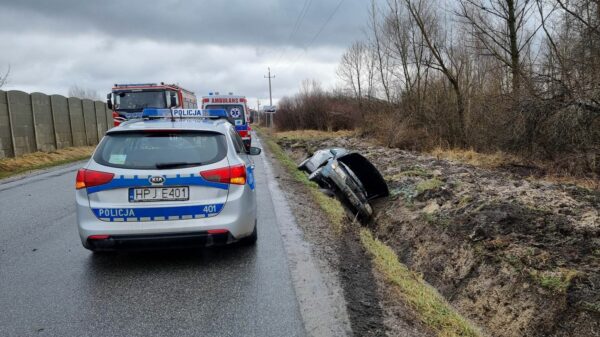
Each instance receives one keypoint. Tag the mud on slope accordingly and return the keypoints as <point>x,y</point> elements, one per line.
<point>520,257</point>
<point>371,313</point>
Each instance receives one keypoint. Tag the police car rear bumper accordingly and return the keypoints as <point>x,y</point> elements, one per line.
<point>237,218</point>
<point>162,241</point>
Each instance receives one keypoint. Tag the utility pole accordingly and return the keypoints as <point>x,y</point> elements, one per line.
<point>258,110</point>
<point>270,95</point>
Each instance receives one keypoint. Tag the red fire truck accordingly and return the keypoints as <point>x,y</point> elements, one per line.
<point>129,100</point>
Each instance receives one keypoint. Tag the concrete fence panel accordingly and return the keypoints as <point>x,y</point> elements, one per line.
<point>21,122</point>
<point>109,118</point>
<point>89,119</point>
<point>61,121</point>
<point>38,122</point>
<point>77,124</point>
<point>43,122</point>
<point>100,118</point>
<point>6,146</point>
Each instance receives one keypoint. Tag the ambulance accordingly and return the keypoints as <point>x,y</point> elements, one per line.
<point>237,109</point>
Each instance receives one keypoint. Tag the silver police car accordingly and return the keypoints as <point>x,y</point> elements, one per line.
<point>175,178</point>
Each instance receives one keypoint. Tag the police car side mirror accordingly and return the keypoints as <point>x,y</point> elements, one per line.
<point>109,101</point>
<point>254,151</point>
<point>173,101</point>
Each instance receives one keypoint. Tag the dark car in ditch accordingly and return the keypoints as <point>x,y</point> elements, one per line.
<point>349,176</point>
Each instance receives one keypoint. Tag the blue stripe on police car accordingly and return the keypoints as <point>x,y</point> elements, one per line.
<point>158,213</point>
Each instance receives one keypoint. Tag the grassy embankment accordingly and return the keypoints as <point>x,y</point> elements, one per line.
<point>39,160</point>
<point>430,306</point>
<point>497,160</point>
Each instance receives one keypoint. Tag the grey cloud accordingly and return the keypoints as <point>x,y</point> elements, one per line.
<point>232,22</point>
<point>84,60</point>
<point>203,45</point>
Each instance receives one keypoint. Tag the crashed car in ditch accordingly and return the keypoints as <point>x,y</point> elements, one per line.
<point>349,176</point>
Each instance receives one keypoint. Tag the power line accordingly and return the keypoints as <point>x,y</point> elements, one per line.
<point>316,36</point>
<point>326,22</point>
<point>299,19</point>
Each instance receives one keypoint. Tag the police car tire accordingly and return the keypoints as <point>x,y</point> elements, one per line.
<point>251,239</point>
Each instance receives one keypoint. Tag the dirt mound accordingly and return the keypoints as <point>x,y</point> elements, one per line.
<point>520,257</point>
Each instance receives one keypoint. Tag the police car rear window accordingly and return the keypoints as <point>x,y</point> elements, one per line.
<point>161,150</point>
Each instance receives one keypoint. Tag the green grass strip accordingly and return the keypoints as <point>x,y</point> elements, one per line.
<point>432,308</point>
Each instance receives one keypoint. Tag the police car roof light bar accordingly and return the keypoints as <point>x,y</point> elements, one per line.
<point>152,113</point>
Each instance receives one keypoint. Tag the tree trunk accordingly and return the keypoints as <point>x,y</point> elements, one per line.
<point>514,46</point>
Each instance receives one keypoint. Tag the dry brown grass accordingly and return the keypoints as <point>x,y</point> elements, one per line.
<point>38,160</point>
<point>589,183</point>
<point>314,134</point>
<point>498,159</point>
<point>492,160</point>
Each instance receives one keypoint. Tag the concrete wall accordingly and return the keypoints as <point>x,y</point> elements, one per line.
<point>42,121</point>
<point>89,120</point>
<point>61,121</point>
<point>77,125</point>
<point>21,122</point>
<point>109,117</point>
<point>38,122</point>
<point>6,147</point>
<point>100,119</point>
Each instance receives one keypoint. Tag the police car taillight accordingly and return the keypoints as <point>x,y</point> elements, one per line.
<point>88,178</point>
<point>228,175</point>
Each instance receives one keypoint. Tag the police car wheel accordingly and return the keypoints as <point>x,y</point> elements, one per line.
<point>251,239</point>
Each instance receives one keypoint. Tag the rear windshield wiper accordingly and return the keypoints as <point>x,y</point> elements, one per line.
<point>176,164</point>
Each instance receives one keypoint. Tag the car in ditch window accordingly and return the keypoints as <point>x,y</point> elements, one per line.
<point>175,178</point>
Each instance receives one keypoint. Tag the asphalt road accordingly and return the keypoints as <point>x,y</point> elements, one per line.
<point>51,286</point>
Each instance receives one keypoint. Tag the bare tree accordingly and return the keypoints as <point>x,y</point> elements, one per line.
<point>380,54</point>
<point>443,55</point>
<point>585,11</point>
<point>352,68</point>
<point>84,93</point>
<point>501,27</point>
<point>399,29</point>
<point>446,66</point>
<point>4,77</point>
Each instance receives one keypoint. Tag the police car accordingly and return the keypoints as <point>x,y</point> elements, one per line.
<point>178,177</point>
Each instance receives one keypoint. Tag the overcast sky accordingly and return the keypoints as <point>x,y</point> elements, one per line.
<point>204,45</point>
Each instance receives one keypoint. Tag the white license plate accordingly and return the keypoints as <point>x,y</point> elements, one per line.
<point>148,194</point>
